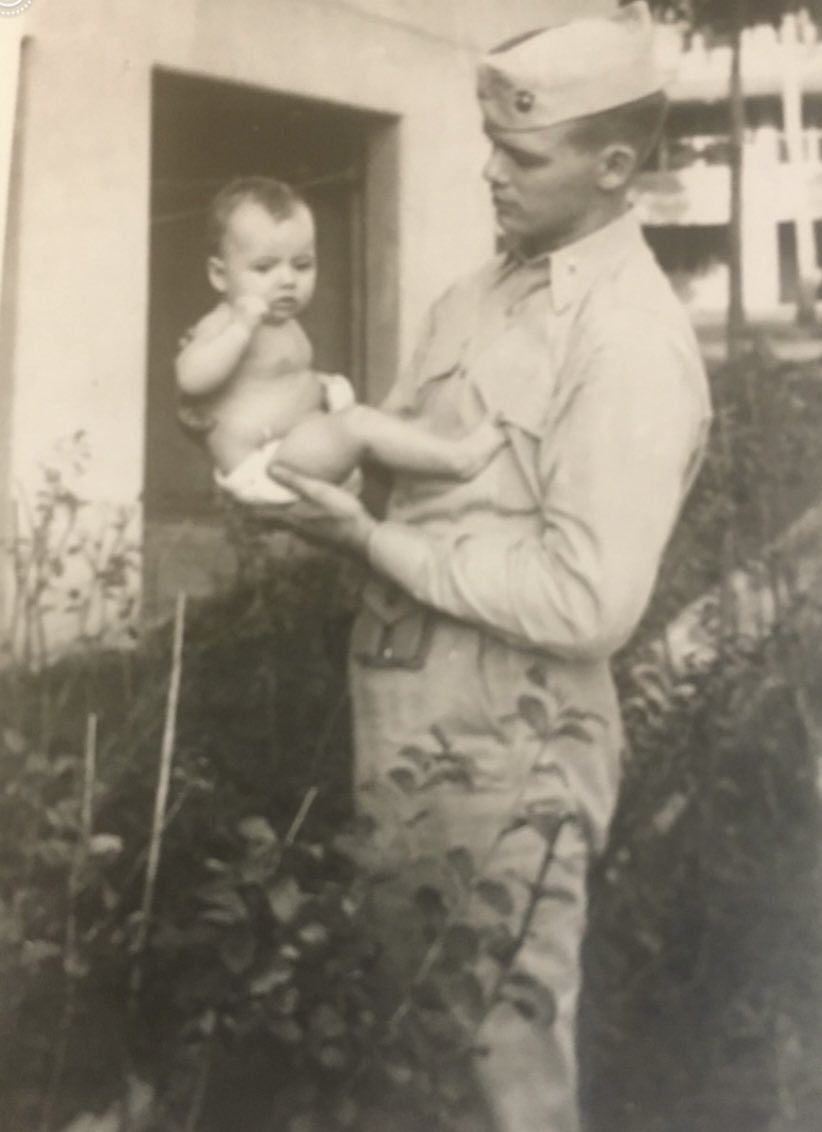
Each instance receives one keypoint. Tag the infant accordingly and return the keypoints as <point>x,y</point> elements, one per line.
<point>245,370</point>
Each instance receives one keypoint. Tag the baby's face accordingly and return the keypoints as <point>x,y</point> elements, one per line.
<point>269,257</point>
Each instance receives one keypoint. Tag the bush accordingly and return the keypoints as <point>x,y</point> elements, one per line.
<point>262,708</point>
<point>261,994</point>
<point>762,469</point>
<point>704,962</point>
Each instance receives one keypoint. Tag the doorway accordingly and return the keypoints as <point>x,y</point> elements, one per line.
<point>206,132</point>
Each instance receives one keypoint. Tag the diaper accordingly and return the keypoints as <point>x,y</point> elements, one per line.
<point>250,482</point>
<point>338,392</point>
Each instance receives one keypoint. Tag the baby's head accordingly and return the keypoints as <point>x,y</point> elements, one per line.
<point>262,242</point>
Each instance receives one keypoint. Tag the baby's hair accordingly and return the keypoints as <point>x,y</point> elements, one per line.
<point>278,199</point>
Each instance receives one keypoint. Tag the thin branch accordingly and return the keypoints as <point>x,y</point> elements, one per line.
<point>71,958</point>
<point>163,782</point>
<point>89,775</point>
<point>534,898</point>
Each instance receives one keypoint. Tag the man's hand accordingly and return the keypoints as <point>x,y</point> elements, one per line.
<point>325,512</point>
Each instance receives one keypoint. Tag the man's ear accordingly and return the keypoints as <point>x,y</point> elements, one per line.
<point>618,164</point>
<point>216,273</point>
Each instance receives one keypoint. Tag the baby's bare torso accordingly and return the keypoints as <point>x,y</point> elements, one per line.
<point>272,389</point>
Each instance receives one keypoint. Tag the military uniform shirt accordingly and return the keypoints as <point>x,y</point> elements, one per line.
<point>587,359</point>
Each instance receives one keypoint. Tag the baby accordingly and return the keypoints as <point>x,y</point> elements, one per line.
<point>245,373</point>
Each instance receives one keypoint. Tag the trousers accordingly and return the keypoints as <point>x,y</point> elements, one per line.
<point>527,771</point>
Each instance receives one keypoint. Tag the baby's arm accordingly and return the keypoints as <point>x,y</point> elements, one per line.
<point>217,346</point>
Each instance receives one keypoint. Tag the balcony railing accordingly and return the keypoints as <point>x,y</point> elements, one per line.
<point>700,194</point>
<point>765,144</point>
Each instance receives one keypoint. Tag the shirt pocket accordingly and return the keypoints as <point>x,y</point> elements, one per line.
<point>516,389</point>
<point>438,397</point>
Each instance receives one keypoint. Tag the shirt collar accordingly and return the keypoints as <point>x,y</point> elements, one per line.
<point>573,269</point>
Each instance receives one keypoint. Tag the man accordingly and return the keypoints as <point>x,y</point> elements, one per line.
<point>544,562</point>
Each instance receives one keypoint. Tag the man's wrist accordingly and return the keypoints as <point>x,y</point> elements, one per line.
<point>363,535</point>
<point>402,553</point>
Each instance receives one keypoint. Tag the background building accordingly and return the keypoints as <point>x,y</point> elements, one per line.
<point>685,195</point>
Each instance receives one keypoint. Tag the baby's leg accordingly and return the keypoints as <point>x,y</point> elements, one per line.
<point>331,446</point>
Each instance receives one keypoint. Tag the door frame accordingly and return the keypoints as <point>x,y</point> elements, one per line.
<point>192,552</point>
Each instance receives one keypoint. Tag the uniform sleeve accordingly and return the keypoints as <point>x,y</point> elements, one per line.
<point>613,475</point>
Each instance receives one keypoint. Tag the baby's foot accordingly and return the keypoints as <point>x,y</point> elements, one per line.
<point>477,449</point>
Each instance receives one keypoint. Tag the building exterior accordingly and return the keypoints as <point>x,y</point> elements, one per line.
<point>128,117</point>
<point>685,195</point>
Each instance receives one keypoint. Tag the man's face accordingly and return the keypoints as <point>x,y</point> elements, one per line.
<point>544,189</point>
<point>269,257</point>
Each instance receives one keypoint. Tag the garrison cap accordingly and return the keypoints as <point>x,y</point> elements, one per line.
<point>559,73</point>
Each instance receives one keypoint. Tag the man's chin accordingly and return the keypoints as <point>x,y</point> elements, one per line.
<point>508,236</point>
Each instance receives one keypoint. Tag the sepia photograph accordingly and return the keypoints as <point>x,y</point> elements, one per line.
<point>411,566</point>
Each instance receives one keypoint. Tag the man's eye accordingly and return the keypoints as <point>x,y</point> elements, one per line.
<point>525,160</point>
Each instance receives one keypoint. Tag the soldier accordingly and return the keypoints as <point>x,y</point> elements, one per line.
<point>575,340</point>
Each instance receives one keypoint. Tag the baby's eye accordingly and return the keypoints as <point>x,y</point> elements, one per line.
<point>306,264</point>
<point>263,266</point>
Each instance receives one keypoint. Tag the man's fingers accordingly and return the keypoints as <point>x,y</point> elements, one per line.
<point>315,491</point>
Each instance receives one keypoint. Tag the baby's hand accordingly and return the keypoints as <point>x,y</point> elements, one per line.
<point>251,309</point>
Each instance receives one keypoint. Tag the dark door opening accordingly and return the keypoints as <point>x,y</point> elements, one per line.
<point>205,133</point>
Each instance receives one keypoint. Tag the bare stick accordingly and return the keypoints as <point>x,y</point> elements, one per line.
<point>295,827</point>
<point>164,779</point>
<point>192,1121</point>
<point>302,814</point>
<point>89,775</point>
<point>71,958</point>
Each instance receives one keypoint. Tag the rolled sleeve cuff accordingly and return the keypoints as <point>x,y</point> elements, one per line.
<point>401,553</point>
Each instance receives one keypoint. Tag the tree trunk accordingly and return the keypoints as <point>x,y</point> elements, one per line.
<point>806,266</point>
<point>736,309</point>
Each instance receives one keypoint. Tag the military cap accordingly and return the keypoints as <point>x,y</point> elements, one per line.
<point>559,73</point>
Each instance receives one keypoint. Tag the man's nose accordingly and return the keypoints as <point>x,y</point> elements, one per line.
<point>493,170</point>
